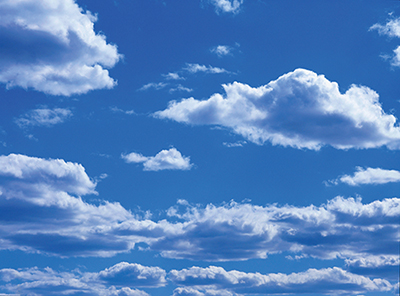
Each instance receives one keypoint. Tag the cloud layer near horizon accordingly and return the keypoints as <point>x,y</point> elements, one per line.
<point>300,109</point>
<point>51,46</point>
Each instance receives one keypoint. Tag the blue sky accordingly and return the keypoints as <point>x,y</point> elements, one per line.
<point>199,148</point>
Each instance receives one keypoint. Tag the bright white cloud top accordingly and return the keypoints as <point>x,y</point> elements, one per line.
<point>51,47</point>
<point>170,159</point>
<point>369,176</point>
<point>300,109</point>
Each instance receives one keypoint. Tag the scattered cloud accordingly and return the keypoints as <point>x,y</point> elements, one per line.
<point>118,110</point>
<point>180,87</point>
<point>227,6</point>
<point>300,109</point>
<point>173,76</point>
<point>325,281</point>
<point>236,144</point>
<point>121,279</point>
<point>222,50</point>
<point>195,68</point>
<point>391,29</point>
<point>53,50</point>
<point>170,159</point>
<point>368,176</point>
<point>43,117</point>
<point>157,86</point>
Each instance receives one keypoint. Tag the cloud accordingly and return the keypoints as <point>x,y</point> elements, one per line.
<point>222,50</point>
<point>195,68</point>
<point>154,85</point>
<point>391,29</point>
<point>227,6</point>
<point>43,117</point>
<point>51,47</point>
<point>300,109</point>
<point>173,76</point>
<point>180,87</point>
<point>236,144</point>
<point>118,110</point>
<point>170,159</point>
<point>368,176</point>
<point>118,280</point>
<point>326,281</point>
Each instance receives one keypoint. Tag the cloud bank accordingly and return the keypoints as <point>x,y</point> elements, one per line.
<point>61,223</point>
<point>368,176</point>
<point>51,46</point>
<point>300,109</point>
<point>170,159</point>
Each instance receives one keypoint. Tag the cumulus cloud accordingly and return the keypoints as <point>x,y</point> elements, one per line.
<point>227,6</point>
<point>195,68</point>
<point>300,109</point>
<point>50,282</point>
<point>51,46</point>
<point>325,281</point>
<point>170,159</point>
<point>391,29</point>
<point>43,117</point>
<point>368,176</point>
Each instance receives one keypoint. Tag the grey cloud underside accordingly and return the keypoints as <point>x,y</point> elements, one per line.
<point>300,109</point>
<point>61,223</point>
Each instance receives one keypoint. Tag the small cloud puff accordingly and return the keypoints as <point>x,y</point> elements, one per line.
<point>62,56</point>
<point>300,109</point>
<point>170,159</point>
<point>195,68</point>
<point>222,50</point>
<point>43,117</point>
<point>368,176</point>
<point>227,6</point>
<point>391,29</point>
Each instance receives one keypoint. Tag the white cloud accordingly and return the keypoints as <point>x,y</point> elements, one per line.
<point>227,6</point>
<point>118,110</point>
<point>173,76</point>
<point>236,144</point>
<point>154,85</point>
<point>180,87</point>
<point>195,68</point>
<point>369,176</point>
<point>62,56</point>
<point>43,117</point>
<point>222,50</point>
<point>326,281</point>
<point>170,159</point>
<point>50,282</point>
<point>391,29</point>
<point>300,109</point>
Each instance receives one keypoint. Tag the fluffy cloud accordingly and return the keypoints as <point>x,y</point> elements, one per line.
<point>368,176</point>
<point>391,29</point>
<point>118,280</point>
<point>51,46</point>
<point>221,50</point>
<point>43,117</point>
<point>300,109</point>
<point>170,159</point>
<point>227,6</point>
<point>325,281</point>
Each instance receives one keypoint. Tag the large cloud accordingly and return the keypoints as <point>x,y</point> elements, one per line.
<point>391,29</point>
<point>300,109</point>
<point>325,281</point>
<point>50,282</point>
<point>51,46</point>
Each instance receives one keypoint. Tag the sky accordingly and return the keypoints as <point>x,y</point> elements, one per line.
<point>199,148</point>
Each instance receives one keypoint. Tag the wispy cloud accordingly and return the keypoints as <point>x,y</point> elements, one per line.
<point>195,68</point>
<point>222,50</point>
<point>170,159</point>
<point>62,56</point>
<point>157,86</point>
<point>43,117</point>
<point>227,6</point>
<point>173,76</point>
<point>300,109</point>
<point>118,110</point>
<point>391,29</point>
<point>181,88</point>
<point>368,176</point>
